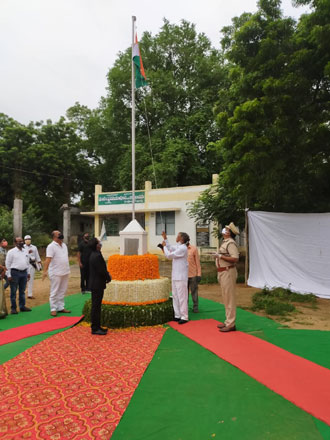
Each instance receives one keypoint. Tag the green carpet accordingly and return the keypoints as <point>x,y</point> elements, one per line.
<point>309,344</point>
<point>188,393</point>
<point>9,351</point>
<point>74,303</point>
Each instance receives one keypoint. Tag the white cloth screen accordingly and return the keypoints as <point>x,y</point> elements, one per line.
<point>290,250</point>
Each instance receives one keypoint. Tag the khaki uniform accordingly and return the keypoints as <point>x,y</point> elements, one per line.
<point>227,279</point>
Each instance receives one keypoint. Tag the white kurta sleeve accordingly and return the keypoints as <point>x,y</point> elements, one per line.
<point>178,252</point>
<point>8,264</point>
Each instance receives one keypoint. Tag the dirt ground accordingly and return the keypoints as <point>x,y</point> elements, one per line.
<point>306,317</point>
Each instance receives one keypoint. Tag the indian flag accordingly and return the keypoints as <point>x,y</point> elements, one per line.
<point>140,76</point>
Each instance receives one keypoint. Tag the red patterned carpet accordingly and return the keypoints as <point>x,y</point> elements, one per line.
<point>74,385</point>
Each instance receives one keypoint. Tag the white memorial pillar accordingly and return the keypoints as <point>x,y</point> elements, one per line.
<point>133,239</point>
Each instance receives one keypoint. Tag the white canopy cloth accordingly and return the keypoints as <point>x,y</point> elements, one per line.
<point>290,250</point>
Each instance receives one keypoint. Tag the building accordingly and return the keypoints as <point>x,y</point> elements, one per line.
<point>156,210</point>
<point>74,225</point>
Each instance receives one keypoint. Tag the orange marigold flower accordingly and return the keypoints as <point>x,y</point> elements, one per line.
<point>133,267</point>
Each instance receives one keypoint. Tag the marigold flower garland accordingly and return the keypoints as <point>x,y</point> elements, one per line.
<point>133,267</point>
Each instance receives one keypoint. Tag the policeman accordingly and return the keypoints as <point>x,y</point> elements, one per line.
<point>226,260</point>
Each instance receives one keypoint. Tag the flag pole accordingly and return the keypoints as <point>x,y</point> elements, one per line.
<point>133,120</point>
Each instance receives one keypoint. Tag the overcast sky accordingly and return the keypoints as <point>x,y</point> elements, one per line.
<point>54,53</point>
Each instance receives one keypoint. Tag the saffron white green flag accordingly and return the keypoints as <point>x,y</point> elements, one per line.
<point>103,235</point>
<point>140,76</point>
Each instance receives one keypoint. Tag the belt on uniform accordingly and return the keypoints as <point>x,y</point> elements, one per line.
<point>18,270</point>
<point>222,269</point>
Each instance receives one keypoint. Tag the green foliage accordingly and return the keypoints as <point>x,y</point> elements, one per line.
<point>32,221</point>
<point>287,295</point>
<point>132,316</point>
<point>240,279</point>
<point>45,165</point>
<point>209,279</point>
<point>274,143</point>
<point>6,224</point>
<point>32,225</point>
<point>279,301</point>
<point>184,74</point>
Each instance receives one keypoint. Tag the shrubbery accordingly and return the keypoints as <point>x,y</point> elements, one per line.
<point>115,316</point>
<point>279,301</point>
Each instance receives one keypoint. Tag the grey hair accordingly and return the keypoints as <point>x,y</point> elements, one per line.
<point>185,238</point>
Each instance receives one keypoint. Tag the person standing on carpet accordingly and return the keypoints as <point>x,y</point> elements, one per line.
<point>179,254</point>
<point>226,260</point>
<point>35,263</point>
<point>194,275</point>
<point>98,278</point>
<point>3,254</point>
<point>84,252</point>
<point>17,264</point>
<point>57,260</point>
<point>3,306</point>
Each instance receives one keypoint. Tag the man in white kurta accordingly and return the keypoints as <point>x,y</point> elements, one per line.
<point>34,261</point>
<point>57,260</point>
<point>179,255</point>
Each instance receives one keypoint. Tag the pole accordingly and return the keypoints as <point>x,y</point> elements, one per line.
<point>133,121</point>
<point>246,245</point>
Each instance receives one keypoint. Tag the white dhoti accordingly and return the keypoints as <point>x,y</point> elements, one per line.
<point>58,287</point>
<point>180,299</point>
<point>30,282</point>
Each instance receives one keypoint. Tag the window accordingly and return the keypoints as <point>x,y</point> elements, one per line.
<point>112,226</point>
<point>165,221</point>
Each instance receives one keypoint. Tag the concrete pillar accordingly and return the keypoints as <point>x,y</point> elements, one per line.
<point>66,223</point>
<point>215,178</point>
<point>98,191</point>
<point>18,217</point>
<point>97,225</point>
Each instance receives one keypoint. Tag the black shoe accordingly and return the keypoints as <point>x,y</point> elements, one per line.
<point>99,332</point>
<point>228,329</point>
<point>104,329</point>
<point>25,309</point>
<point>183,321</point>
<point>177,319</point>
<point>83,292</point>
<point>14,312</point>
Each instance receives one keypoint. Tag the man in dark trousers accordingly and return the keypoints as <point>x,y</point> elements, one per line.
<point>84,252</point>
<point>98,277</point>
<point>17,264</point>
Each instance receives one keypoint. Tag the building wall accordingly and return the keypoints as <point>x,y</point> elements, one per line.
<point>155,200</point>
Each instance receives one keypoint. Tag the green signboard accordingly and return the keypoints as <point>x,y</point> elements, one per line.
<point>122,198</point>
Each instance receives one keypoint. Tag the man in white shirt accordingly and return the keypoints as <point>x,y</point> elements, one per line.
<point>34,261</point>
<point>57,260</point>
<point>179,254</point>
<point>17,264</point>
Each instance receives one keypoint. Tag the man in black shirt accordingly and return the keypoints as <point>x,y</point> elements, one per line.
<point>84,252</point>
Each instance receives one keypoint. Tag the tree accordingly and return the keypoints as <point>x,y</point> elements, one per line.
<point>184,74</point>
<point>44,164</point>
<point>274,117</point>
